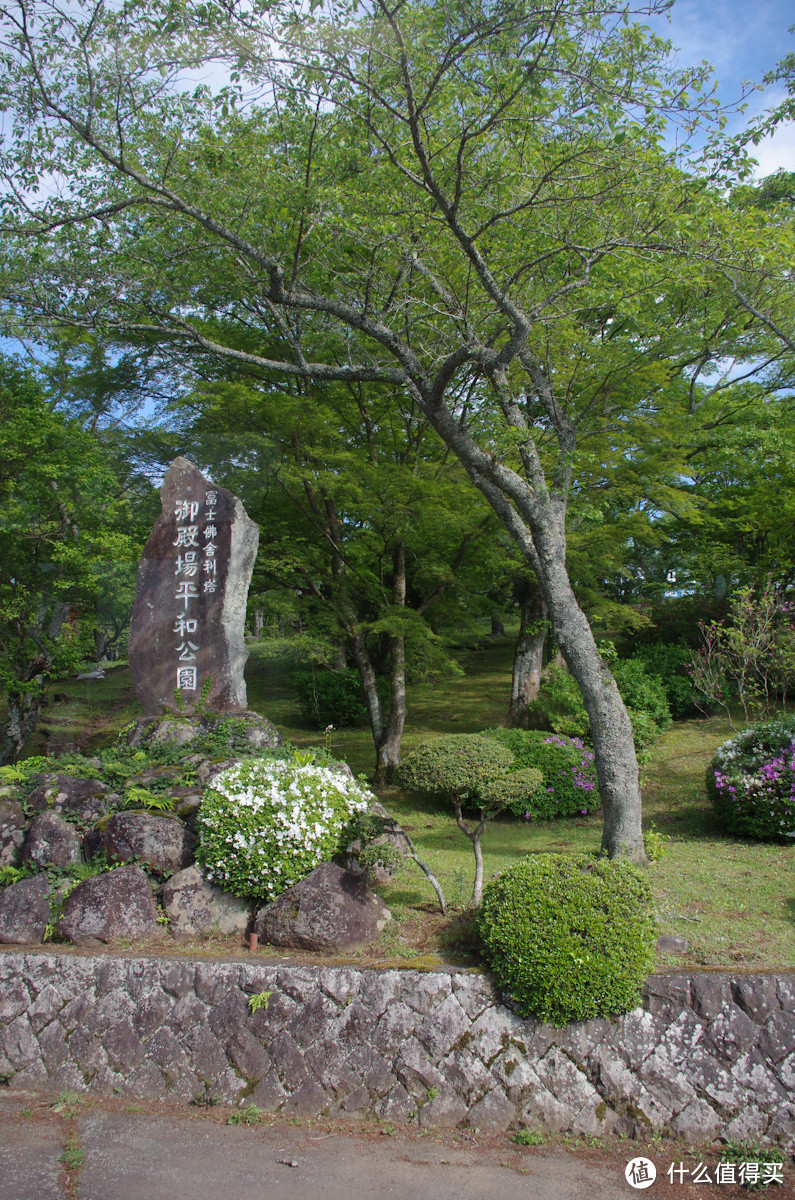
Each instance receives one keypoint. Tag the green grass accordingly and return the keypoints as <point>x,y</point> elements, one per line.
<point>465,704</point>
<point>733,900</point>
<point>73,1156</point>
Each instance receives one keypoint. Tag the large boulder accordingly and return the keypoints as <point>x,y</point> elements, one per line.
<point>164,843</point>
<point>330,909</point>
<point>84,799</point>
<point>392,839</point>
<point>261,733</point>
<point>12,829</point>
<point>196,908</point>
<point>116,904</point>
<point>25,911</point>
<point>51,842</point>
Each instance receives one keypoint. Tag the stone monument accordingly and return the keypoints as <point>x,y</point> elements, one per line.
<point>186,632</point>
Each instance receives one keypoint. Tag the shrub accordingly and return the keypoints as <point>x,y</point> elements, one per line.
<point>670,662</point>
<point>264,824</point>
<point>645,733</point>
<point>752,657</point>
<point>331,697</point>
<point>641,691</point>
<point>751,781</point>
<point>461,768</point>
<point>567,768</point>
<point>457,765</point>
<point>559,705</point>
<point>568,936</point>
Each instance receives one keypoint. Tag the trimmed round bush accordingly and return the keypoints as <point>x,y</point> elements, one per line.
<point>460,765</point>
<point>751,781</point>
<point>566,765</point>
<point>514,790</point>
<point>569,937</point>
<point>264,824</point>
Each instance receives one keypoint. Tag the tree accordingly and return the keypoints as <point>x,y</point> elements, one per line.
<point>475,770</point>
<point>62,540</point>
<point>472,198</point>
<point>366,524</point>
<point>528,656</point>
<point>750,657</point>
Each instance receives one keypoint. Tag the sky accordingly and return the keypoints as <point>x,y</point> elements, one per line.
<point>743,41</point>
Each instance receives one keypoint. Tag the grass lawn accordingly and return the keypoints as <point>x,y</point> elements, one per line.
<point>733,900</point>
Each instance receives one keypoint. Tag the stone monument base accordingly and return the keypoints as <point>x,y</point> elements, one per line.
<point>256,730</point>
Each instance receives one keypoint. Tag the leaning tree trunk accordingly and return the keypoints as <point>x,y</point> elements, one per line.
<point>387,731</point>
<point>611,728</point>
<point>529,654</point>
<point>367,675</point>
<point>537,521</point>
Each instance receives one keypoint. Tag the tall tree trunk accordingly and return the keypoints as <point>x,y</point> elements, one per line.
<point>536,519</point>
<point>340,655</point>
<point>529,654</point>
<point>497,627</point>
<point>611,728</point>
<point>101,639</point>
<point>388,749</point>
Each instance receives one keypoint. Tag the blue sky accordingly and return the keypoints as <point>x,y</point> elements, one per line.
<point>743,41</point>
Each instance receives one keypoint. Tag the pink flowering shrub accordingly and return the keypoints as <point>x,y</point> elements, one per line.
<point>567,766</point>
<point>752,782</point>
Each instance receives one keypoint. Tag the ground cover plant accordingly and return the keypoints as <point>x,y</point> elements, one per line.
<point>731,898</point>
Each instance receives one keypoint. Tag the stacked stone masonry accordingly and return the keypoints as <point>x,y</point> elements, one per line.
<point>707,1055</point>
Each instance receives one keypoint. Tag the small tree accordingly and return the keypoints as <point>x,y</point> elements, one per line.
<point>752,656</point>
<point>469,769</point>
<point>63,545</point>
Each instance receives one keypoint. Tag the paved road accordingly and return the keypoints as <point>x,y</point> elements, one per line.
<point>123,1151</point>
<point>169,1154</point>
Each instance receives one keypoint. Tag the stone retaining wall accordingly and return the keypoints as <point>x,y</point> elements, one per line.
<point>707,1054</point>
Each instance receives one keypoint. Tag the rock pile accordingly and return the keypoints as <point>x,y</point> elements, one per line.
<point>66,823</point>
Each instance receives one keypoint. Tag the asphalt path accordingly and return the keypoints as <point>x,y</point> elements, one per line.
<point>72,1149</point>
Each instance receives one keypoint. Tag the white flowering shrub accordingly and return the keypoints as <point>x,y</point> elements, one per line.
<point>752,781</point>
<point>265,823</point>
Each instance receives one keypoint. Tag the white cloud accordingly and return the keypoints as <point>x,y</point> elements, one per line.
<point>776,152</point>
